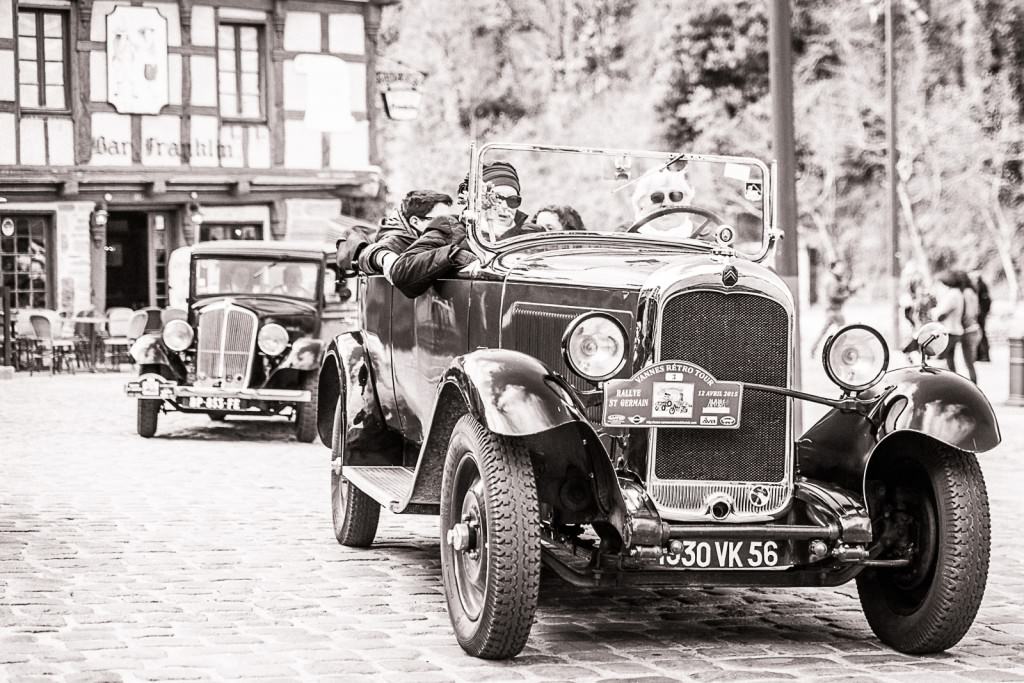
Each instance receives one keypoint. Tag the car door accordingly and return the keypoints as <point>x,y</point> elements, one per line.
<point>427,333</point>
<point>375,299</point>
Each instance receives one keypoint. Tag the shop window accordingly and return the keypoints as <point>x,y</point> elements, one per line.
<point>43,59</point>
<point>230,231</point>
<point>25,260</point>
<point>240,71</point>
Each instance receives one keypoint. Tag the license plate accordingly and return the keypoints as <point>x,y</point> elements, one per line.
<point>213,403</point>
<point>725,555</point>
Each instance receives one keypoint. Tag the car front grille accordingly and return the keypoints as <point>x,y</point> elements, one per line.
<point>736,337</point>
<point>739,338</point>
<point>227,337</point>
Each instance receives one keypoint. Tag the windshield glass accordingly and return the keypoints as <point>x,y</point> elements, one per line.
<point>537,192</point>
<point>224,276</point>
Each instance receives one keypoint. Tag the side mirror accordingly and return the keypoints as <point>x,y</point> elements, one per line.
<point>933,338</point>
<point>342,289</point>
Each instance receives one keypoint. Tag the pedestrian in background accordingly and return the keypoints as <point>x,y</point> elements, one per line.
<point>984,306</point>
<point>837,290</point>
<point>918,309</point>
<point>949,310</point>
<point>972,330</point>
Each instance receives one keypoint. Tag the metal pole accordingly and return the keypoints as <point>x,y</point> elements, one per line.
<point>892,173</point>
<point>780,68</point>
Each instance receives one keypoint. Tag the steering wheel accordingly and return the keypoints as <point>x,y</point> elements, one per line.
<point>710,218</point>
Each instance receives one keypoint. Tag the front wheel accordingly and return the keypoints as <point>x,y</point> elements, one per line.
<point>930,506</point>
<point>305,413</point>
<point>147,416</point>
<point>355,515</point>
<point>490,541</point>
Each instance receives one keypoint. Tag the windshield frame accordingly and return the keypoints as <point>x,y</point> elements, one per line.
<point>316,301</point>
<point>487,251</point>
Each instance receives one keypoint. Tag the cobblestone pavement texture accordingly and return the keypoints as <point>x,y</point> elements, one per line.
<point>207,554</point>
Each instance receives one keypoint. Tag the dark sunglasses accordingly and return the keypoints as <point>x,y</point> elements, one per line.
<point>512,201</point>
<point>674,196</point>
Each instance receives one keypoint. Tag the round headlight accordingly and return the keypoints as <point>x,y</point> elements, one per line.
<point>594,346</point>
<point>177,335</point>
<point>856,357</point>
<point>932,338</point>
<point>273,339</point>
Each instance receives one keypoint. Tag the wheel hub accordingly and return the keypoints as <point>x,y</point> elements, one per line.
<point>463,536</point>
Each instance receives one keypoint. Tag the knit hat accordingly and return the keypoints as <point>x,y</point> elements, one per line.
<point>501,173</point>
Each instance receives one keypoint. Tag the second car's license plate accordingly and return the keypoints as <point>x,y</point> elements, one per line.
<point>725,555</point>
<point>214,403</point>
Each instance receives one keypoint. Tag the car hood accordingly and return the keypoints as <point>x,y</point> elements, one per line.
<point>616,267</point>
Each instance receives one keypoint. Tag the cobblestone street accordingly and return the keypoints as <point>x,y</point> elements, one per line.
<point>206,553</point>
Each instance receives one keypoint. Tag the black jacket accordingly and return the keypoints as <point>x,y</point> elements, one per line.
<point>438,252</point>
<point>358,251</point>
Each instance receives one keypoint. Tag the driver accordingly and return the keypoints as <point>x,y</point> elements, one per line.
<point>292,285</point>
<point>663,190</point>
<point>241,280</point>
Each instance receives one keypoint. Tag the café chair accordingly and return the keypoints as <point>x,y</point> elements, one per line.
<point>169,314</point>
<point>116,343</point>
<point>61,350</point>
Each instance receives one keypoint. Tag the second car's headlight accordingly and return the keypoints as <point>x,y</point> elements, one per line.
<point>856,357</point>
<point>594,346</point>
<point>177,335</point>
<point>273,339</point>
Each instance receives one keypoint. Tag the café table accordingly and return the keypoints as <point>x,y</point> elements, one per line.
<point>94,341</point>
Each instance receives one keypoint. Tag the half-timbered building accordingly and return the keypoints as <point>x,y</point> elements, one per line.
<point>131,127</point>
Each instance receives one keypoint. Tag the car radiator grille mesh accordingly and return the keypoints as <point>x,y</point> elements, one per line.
<point>226,340</point>
<point>735,337</point>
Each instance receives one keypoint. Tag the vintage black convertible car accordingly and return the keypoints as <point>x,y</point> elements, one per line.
<point>251,341</point>
<point>619,403</point>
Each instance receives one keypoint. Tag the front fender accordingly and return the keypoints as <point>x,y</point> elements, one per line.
<point>345,369</point>
<point>511,393</point>
<point>149,350</point>
<point>937,404</point>
<point>940,404</point>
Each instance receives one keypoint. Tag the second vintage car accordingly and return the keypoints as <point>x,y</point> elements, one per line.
<point>252,337</point>
<point>618,402</point>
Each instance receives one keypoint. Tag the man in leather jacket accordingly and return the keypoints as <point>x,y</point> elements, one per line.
<point>397,232</point>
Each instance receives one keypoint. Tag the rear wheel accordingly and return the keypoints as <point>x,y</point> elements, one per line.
<point>930,506</point>
<point>305,413</point>
<point>490,541</point>
<point>147,416</point>
<point>355,514</point>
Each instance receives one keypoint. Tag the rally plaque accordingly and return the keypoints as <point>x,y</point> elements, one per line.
<point>672,394</point>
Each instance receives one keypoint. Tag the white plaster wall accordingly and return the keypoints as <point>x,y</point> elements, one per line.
<point>8,154</point>
<point>302,146</point>
<point>233,146</point>
<point>115,130</point>
<point>98,76</point>
<point>346,34</point>
<point>351,148</point>
<point>61,140</point>
<point>6,19</point>
<point>170,13</point>
<point>7,75</point>
<point>205,135</point>
<point>204,30</point>
<point>302,32</point>
<point>33,142</point>
<point>204,81</point>
<point>259,147</point>
<point>174,78</point>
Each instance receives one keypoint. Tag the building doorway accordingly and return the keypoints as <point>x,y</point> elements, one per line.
<point>128,259</point>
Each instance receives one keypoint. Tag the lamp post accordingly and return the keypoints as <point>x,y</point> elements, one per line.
<point>892,154</point>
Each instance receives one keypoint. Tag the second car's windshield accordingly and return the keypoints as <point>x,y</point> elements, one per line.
<point>540,192</point>
<point>223,276</point>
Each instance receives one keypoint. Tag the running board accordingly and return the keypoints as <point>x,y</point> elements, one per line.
<point>389,486</point>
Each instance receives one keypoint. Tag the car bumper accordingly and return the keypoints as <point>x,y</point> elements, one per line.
<point>154,386</point>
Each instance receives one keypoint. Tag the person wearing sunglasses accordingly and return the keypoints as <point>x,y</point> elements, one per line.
<point>663,190</point>
<point>502,201</point>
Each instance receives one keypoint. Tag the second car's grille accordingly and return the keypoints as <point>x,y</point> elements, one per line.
<point>735,337</point>
<point>226,339</point>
